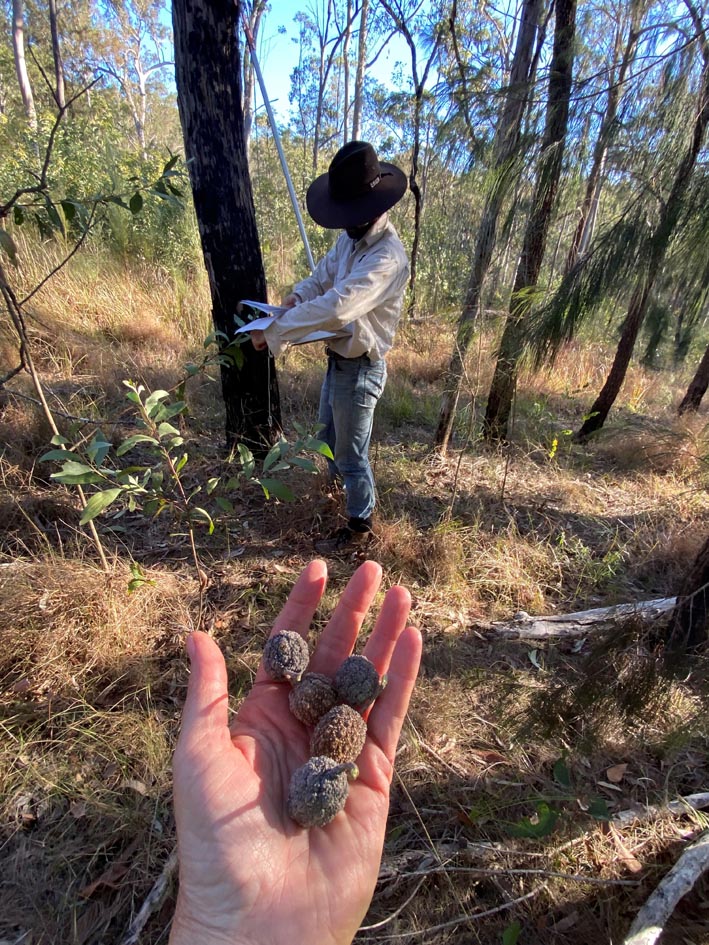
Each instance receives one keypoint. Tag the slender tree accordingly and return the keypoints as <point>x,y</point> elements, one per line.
<point>617,76</point>
<point>503,174</point>
<point>59,94</point>
<point>670,212</point>
<point>359,74</point>
<point>504,381</point>
<point>697,387</point>
<point>400,12</point>
<point>208,74</point>
<point>18,48</point>
<point>255,13</point>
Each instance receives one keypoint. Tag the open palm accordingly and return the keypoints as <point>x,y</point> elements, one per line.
<point>248,874</point>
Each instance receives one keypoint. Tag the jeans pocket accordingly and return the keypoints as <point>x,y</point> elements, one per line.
<point>370,384</point>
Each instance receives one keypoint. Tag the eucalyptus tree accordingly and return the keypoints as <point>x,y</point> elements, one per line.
<point>208,74</point>
<point>625,28</point>
<point>504,381</point>
<point>422,32</point>
<point>132,47</point>
<point>18,48</point>
<point>504,168</point>
<point>672,207</point>
<point>254,14</point>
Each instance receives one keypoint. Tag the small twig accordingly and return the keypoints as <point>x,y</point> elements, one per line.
<point>463,919</point>
<point>390,918</point>
<point>153,901</point>
<point>76,248</point>
<point>521,871</point>
<point>680,806</point>
<point>650,922</point>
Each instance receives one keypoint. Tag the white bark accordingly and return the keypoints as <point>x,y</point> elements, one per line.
<point>18,46</point>
<point>523,626</point>
<point>650,922</point>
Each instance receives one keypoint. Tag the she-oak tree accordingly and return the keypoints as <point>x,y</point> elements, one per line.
<point>208,75</point>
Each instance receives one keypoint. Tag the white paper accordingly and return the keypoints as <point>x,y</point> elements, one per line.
<point>273,311</point>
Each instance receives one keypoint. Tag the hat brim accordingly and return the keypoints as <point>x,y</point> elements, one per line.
<point>339,215</point>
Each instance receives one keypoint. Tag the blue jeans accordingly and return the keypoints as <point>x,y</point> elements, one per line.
<point>350,392</point>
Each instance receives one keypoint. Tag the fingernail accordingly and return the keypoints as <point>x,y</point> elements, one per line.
<point>190,646</point>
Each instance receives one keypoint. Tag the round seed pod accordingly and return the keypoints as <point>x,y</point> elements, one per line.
<point>340,734</point>
<point>357,682</point>
<point>286,656</point>
<point>318,791</point>
<point>312,698</point>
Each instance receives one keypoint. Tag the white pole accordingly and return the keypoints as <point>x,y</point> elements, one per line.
<point>276,138</point>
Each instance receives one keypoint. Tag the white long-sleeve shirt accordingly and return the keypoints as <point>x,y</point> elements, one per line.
<point>356,290</point>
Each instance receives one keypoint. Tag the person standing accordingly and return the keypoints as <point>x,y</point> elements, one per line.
<point>356,293</point>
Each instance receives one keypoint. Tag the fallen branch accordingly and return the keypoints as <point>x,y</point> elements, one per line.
<point>153,901</point>
<point>650,922</point>
<point>522,626</point>
<point>680,806</point>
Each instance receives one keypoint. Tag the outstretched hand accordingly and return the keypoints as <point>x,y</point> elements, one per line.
<point>248,874</point>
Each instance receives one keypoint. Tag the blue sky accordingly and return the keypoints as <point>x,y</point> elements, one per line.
<point>278,54</point>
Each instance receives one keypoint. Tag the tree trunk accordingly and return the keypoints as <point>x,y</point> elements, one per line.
<point>346,73</point>
<point>254,20</point>
<point>359,76</point>
<point>59,94</point>
<point>208,76</point>
<point>589,207</point>
<point>504,381</point>
<point>18,47</point>
<point>669,215</point>
<point>689,622</point>
<point>697,388</point>
<point>502,175</point>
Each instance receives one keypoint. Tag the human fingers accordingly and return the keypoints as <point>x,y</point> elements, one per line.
<point>205,713</point>
<point>258,340</point>
<point>298,611</point>
<point>390,623</point>
<point>389,711</point>
<point>338,638</point>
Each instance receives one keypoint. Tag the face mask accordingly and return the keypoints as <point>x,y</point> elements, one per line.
<point>357,232</point>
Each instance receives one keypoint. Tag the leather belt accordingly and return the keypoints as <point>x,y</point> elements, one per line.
<point>340,357</point>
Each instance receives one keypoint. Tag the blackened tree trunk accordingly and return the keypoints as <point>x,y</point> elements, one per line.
<point>359,76</point>
<point>504,381</point>
<point>697,387</point>
<point>208,75</point>
<point>689,622</point>
<point>503,174</point>
<point>59,94</point>
<point>670,213</point>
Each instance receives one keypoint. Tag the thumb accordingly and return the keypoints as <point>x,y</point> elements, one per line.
<point>205,713</point>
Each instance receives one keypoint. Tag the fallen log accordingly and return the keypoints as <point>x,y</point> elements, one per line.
<point>681,806</point>
<point>650,922</point>
<point>560,626</point>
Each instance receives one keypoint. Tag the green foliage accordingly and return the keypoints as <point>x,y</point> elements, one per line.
<point>158,481</point>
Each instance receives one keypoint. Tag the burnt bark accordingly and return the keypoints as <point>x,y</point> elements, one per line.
<point>59,94</point>
<point>208,75</point>
<point>504,381</point>
<point>697,387</point>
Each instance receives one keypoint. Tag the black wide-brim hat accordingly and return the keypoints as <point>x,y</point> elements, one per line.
<point>357,188</point>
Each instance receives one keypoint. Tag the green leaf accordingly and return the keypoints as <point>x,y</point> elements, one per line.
<point>319,447</point>
<point>544,825</point>
<point>98,448</point>
<point>97,503</point>
<point>247,460</point>
<point>224,504</point>
<point>128,444</point>
<point>8,245</point>
<point>276,488</point>
<point>180,462</point>
<point>18,215</point>
<point>167,429</point>
<point>119,201</point>
<point>136,203</point>
<point>58,439</point>
<point>307,464</point>
<point>511,934</point>
<point>202,513</point>
<point>60,455</point>
<point>598,809</point>
<point>273,454</point>
<point>212,484</point>
<point>561,773</point>
<point>152,402</point>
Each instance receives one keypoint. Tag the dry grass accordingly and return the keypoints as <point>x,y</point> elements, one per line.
<point>93,678</point>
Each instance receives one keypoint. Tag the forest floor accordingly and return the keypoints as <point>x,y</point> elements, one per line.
<point>516,755</point>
